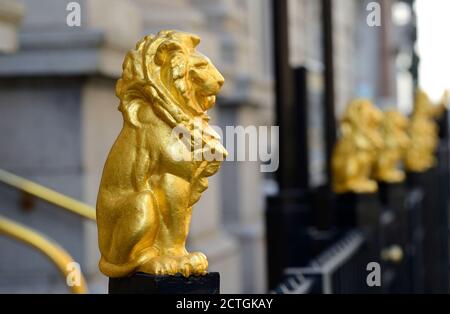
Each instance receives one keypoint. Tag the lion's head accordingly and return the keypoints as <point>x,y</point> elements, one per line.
<point>422,104</point>
<point>361,122</point>
<point>355,153</point>
<point>167,71</point>
<point>166,84</point>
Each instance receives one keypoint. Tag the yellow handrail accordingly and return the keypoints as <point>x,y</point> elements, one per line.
<point>34,239</point>
<point>47,195</point>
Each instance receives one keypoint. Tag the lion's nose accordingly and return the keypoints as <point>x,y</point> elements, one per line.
<point>220,80</point>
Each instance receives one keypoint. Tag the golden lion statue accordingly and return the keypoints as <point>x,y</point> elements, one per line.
<point>394,128</point>
<point>148,186</point>
<point>355,153</point>
<point>424,133</point>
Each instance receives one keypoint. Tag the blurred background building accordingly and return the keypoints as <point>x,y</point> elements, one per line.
<point>58,112</point>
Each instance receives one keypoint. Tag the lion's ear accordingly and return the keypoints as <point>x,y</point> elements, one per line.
<point>195,40</point>
<point>165,50</point>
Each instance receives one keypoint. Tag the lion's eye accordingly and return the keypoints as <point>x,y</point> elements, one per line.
<point>201,65</point>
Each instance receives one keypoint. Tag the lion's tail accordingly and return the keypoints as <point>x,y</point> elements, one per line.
<point>122,270</point>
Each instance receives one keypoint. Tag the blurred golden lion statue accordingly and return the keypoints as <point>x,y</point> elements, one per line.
<point>424,133</point>
<point>148,186</point>
<point>394,128</point>
<point>355,153</point>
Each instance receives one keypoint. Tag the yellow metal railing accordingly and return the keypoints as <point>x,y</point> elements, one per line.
<point>38,241</point>
<point>47,195</point>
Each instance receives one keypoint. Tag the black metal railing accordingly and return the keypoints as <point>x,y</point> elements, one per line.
<point>339,269</point>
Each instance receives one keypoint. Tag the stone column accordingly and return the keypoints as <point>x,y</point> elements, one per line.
<point>11,13</point>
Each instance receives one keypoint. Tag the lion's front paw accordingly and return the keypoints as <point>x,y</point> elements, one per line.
<point>193,264</point>
<point>362,186</point>
<point>393,176</point>
<point>160,265</point>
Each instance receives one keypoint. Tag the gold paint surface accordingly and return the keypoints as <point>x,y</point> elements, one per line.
<point>424,133</point>
<point>394,128</point>
<point>148,186</point>
<point>355,153</point>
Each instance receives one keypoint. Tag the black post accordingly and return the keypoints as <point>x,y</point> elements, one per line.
<point>301,126</point>
<point>288,212</point>
<point>395,232</point>
<point>141,283</point>
<point>435,184</point>
<point>284,97</point>
<point>329,111</point>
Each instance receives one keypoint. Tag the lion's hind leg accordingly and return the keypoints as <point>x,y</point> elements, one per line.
<point>133,236</point>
